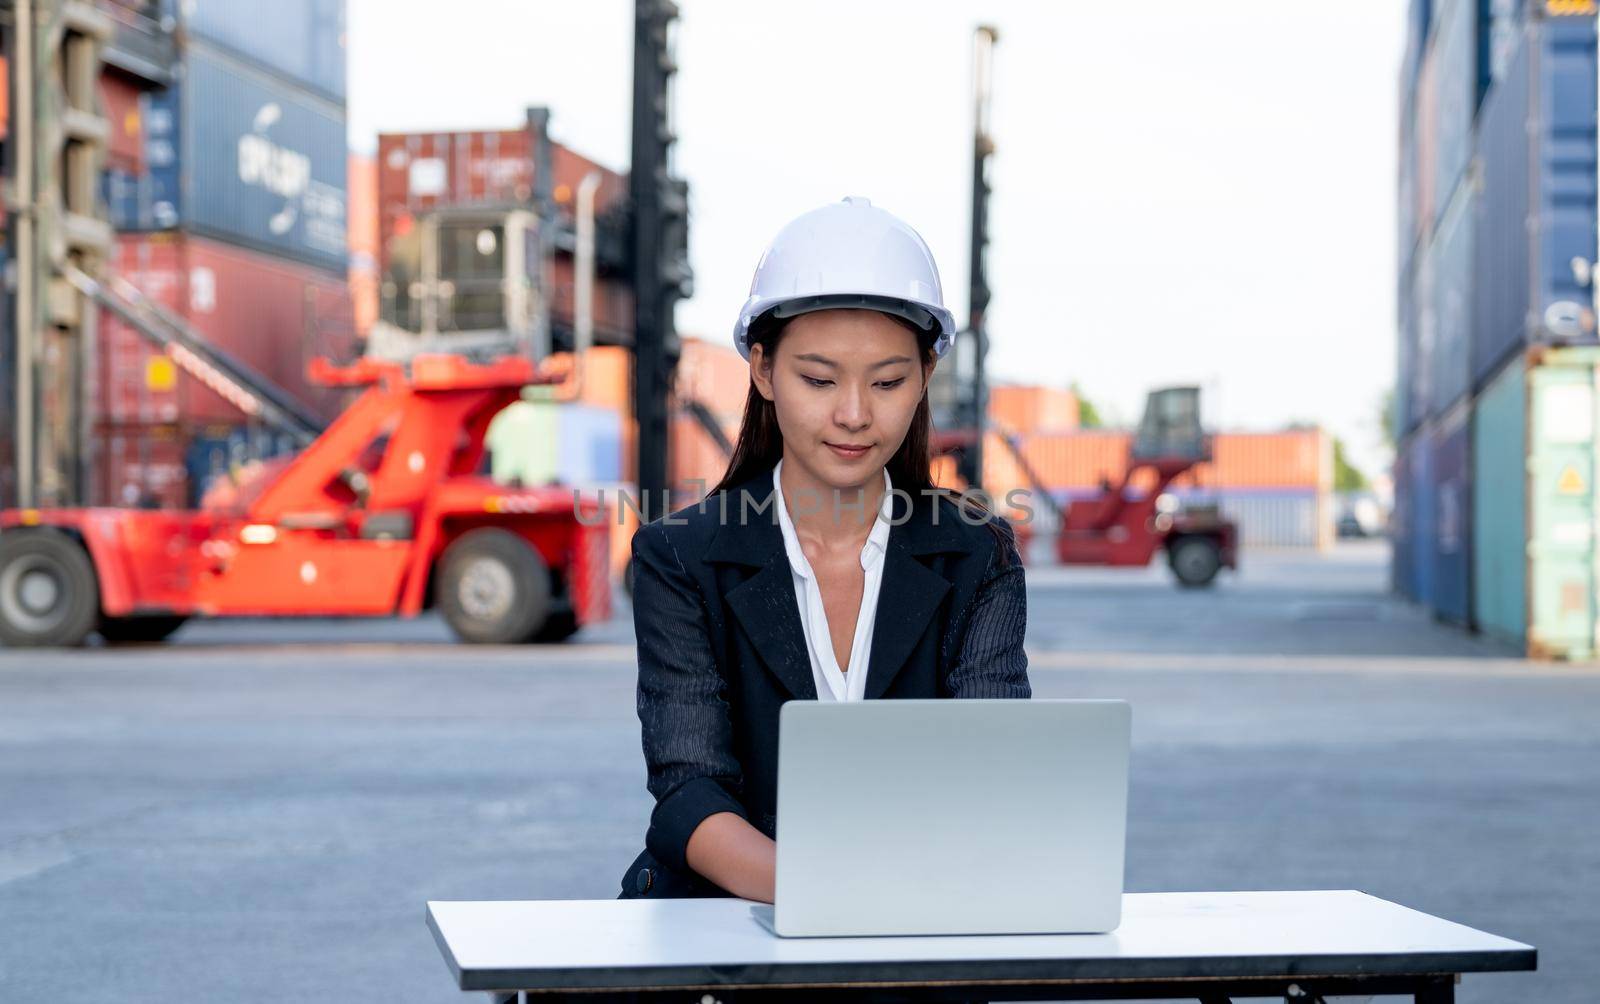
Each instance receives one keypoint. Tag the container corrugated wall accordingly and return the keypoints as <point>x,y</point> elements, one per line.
<point>1452,300</point>
<point>211,453</point>
<point>1419,397</point>
<point>1401,528</point>
<point>299,39</point>
<point>1452,490</point>
<point>273,314</point>
<point>1501,259</point>
<point>1499,506</point>
<point>263,164</point>
<point>1280,519</point>
<point>1564,504</point>
<point>242,156</point>
<point>1536,148</point>
<point>1424,511</point>
<point>1454,65</point>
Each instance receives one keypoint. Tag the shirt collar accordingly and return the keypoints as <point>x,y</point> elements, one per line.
<point>877,537</point>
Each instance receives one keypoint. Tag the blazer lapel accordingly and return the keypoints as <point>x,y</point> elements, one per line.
<point>766,608</point>
<point>910,592</point>
<point>764,603</point>
<point>908,597</point>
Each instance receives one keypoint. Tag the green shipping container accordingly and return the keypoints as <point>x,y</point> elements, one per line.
<point>1499,506</point>
<point>522,443</point>
<point>1563,560</point>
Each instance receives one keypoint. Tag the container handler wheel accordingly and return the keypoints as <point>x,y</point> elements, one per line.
<point>49,595</point>
<point>144,629</point>
<point>1194,560</point>
<point>493,587</point>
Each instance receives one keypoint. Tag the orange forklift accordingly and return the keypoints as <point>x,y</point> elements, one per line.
<point>383,513</point>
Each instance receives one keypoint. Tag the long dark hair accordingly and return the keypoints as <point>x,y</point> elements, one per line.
<point>760,443</point>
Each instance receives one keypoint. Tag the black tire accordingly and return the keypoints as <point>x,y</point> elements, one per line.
<point>49,595</point>
<point>1195,561</point>
<point>143,629</point>
<point>559,626</point>
<point>492,587</point>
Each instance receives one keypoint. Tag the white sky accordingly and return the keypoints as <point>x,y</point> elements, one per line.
<point>1184,192</point>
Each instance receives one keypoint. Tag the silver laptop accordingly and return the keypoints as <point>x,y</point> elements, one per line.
<point>950,817</point>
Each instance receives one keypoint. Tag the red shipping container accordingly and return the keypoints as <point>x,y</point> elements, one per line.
<point>421,171</point>
<point>272,314</point>
<point>716,376</point>
<point>1298,459</point>
<point>119,100</point>
<point>141,466</point>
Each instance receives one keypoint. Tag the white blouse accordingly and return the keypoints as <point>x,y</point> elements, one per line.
<point>832,684</point>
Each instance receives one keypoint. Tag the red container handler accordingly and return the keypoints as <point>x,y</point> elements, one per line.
<point>272,314</point>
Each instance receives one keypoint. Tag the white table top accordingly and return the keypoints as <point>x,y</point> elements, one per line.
<point>639,944</point>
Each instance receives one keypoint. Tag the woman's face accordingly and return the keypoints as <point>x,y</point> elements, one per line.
<point>845,385</point>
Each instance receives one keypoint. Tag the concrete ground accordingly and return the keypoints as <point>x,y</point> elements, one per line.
<point>259,810</point>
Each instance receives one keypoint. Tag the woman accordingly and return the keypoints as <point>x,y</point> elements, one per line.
<point>825,565</point>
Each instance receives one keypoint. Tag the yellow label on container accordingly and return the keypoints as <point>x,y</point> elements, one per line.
<point>160,374</point>
<point>1563,8</point>
<point>1570,482</point>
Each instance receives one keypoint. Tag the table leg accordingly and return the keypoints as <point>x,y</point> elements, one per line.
<point>1440,992</point>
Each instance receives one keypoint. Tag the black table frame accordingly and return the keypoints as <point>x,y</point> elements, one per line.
<point>1422,988</point>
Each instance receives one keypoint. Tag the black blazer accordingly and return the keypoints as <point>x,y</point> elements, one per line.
<point>721,649</point>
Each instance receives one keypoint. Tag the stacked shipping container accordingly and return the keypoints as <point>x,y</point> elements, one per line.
<point>419,172</point>
<point>229,189</point>
<point>1498,101</point>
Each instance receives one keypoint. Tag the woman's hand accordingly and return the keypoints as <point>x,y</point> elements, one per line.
<point>726,849</point>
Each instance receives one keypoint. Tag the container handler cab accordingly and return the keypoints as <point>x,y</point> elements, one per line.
<point>383,512</point>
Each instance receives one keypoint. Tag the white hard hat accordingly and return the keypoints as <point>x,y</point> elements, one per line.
<point>848,254</point>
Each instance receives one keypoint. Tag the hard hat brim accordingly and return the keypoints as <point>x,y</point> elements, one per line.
<point>919,317</point>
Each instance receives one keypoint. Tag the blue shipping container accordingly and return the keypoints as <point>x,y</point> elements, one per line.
<point>1536,148</point>
<point>1454,55</point>
<point>1452,301</point>
<point>1405,359</point>
<point>299,39</point>
<point>1452,488</point>
<point>1417,17</point>
<point>243,157</point>
<point>1419,399</point>
<point>212,453</point>
<point>1499,31</point>
<point>1401,567</point>
<point>1407,232</point>
<point>1424,510</point>
<point>589,445</point>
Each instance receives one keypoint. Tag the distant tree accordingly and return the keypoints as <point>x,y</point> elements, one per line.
<point>1386,418</point>
<point>1088,414</point>
<point>1346,476</point>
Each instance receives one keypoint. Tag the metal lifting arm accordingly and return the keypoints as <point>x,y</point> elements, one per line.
<point>1013,446</point>
<point>233,380</point>
<point>707,421</point>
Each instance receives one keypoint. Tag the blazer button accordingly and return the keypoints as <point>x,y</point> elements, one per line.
<point>644,880</point>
